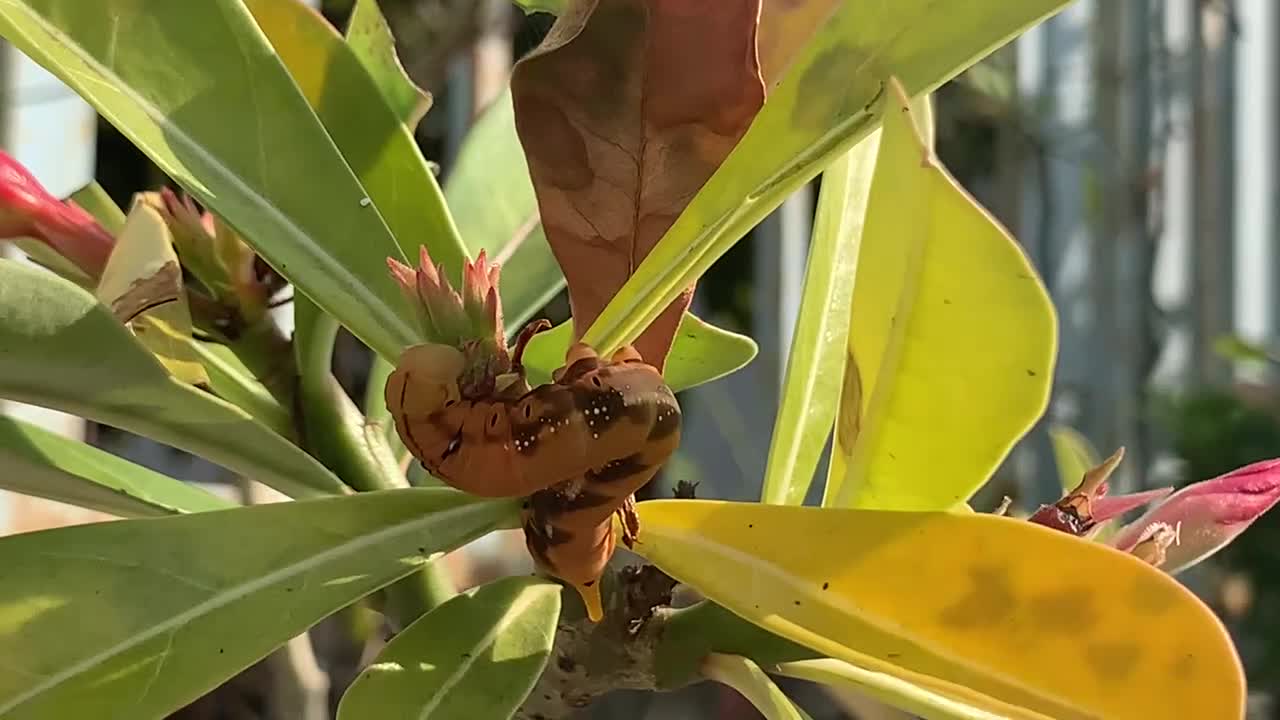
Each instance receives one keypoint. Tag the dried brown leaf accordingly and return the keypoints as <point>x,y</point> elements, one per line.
<point>624,112</point>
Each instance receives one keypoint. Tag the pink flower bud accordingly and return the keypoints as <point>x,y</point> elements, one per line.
<point>1207,515</point>
<point>28,210</point>
<point>470,320</point>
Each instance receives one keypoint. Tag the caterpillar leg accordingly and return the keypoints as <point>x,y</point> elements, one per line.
<point>522,341</point>
<point>630,521</point>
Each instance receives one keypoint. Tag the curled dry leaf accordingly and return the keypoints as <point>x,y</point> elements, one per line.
<point>624,112</point>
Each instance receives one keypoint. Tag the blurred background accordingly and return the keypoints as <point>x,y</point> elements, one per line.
<point>1130,147</point>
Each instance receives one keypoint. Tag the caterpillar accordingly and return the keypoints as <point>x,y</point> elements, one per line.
<point>577,447</point>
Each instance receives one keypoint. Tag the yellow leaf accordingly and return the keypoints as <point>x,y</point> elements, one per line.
<point>142,284</point>
<point>952,338</point>
<point>980,609</point>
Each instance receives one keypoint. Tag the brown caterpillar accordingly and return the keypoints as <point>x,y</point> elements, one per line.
<point>578,446</point>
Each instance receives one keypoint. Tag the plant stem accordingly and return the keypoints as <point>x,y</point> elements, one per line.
<point>337,433</point>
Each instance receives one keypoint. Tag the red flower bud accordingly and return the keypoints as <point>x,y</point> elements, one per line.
<point>28,210</point>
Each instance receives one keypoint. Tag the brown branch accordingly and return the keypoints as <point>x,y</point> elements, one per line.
<point>590,660</point>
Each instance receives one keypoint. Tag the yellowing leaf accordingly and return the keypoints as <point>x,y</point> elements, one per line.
<point>142,284</point>
<point>1073,455</point>
<point>981,609</point>
<point>952,338</point>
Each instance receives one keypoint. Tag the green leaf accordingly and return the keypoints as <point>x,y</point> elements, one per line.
<point>41,254</point>
<point>493,203</point>
<point>228,375</point>
<point>980,609</point>
<point>180,604</point>
<point>826,102</point>
<point>1073,454</point>
<point>142,284</point>
<point>370,135</point>
<point>95,201</point>
<point>62,349</point>
<point>199,90</point>
<point>702,352</point>
<point>373,45</point>
<point>1234,347</point>
<point>232,381</point>
<point>476,656</point>
<point>549,6</point>
<point>44,464</point>
<point>952,339</point>
<point>753,684</point>
<point>815,365</point>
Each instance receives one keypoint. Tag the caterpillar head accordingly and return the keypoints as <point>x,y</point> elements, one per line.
<point>424,382</point>
<point>425,378</point>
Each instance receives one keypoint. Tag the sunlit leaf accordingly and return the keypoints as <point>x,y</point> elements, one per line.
<point>61,348</point>
<point>198,88</point>
<point>812,388</point>
<point>370,39</point>
<point>548,6</point>
<point>702,352</point>
<point>826,102</point>
<point>48,465</point>
<point>180,604</point>
<point>952,339</point>
<point>368,132</point>
<point>981,609</point>
<point>475,656</point>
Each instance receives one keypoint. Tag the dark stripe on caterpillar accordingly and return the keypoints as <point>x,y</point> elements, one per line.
<point>578,447</point>
<point>616,470</point>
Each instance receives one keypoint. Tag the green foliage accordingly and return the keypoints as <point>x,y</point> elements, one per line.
<point>171,87</point>
<point>475,656</point>
<point>301,140</point>
<point>44,464</point>
<point>175,612</point>
<point>65,350</point>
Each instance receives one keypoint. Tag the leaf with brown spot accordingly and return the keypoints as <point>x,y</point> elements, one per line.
<point>624,112</point>
<point>142,284</point>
